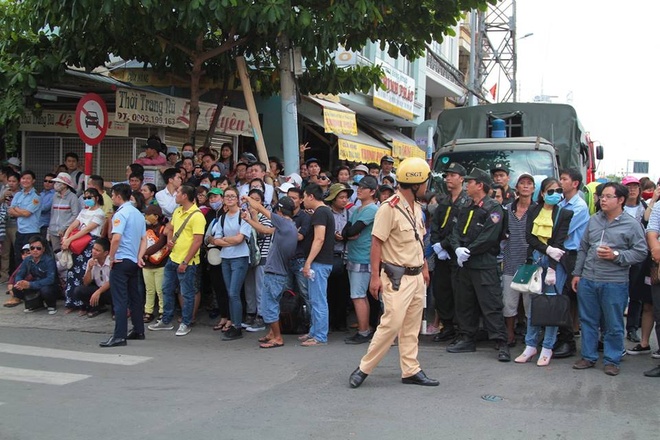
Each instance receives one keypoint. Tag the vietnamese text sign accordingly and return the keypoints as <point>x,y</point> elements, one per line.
<point>58,121</point>
<point>357,152</point>
<point>140,107</point>
<point>403,150</point>
<point>398,98</point>
<point>339,122</point>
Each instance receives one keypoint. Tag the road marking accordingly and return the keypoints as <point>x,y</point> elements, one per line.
<point>115,359</point>
<point>39,376</point>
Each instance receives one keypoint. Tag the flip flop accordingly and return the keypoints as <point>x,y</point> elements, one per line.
<point>219,326</point>
<point>271,345</point>
<point>264,339</point>
<point>227,326</point>
<point>12,303</point>
<point>148,317</point>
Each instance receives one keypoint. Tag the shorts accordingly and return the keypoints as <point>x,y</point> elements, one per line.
<point>510,297</point>
<point>274,285</point>
<point>359,282</point>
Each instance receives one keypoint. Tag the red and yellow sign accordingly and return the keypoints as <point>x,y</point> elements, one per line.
<point>403,150</point>
<point>339,122</point>
<point>357,152</point>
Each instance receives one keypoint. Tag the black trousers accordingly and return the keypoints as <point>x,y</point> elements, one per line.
<point>48,293</point>
<point>479,290</point>
<point>444,280</point>
<point>338,294</point>
<point>125,296</point>
<point>565,334</point>
<point>84,293</point>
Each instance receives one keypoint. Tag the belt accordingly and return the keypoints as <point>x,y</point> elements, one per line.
<point>413,270</point>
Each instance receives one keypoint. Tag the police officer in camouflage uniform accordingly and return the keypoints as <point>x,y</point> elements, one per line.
<point>476,243</point>
<point>442,223</point>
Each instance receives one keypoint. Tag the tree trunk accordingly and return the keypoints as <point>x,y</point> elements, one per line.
<point>216,115</point>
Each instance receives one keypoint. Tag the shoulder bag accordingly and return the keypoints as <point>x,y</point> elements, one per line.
<point>528,279</point>
<point>551,310</point>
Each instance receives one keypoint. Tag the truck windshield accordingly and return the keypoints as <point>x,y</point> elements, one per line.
<point>538,163</point>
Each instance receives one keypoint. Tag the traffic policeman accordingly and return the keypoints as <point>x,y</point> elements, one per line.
<point>442,223</point>
<point>398,250</point>
<point>476,242</point>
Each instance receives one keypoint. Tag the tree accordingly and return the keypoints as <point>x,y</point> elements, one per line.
<point>197,38</point>
<point>26,57</point>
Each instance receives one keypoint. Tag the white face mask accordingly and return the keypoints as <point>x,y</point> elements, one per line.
<point>59,186</point>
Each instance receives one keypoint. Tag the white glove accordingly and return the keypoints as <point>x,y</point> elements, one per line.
<point>462,255</point>
<point>437,248</point>
<point>443,255</point>
<point>554,253</point>
<point>550,277</point>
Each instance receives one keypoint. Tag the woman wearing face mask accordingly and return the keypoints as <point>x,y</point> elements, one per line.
<point>546,231</point>
<point>137,200</point>
<point>219,299</point>
<point>153,272</point>
<point>90,221</point>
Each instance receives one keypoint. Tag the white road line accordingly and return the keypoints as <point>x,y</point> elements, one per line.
<point>116,359</point>
<point>40,376</point>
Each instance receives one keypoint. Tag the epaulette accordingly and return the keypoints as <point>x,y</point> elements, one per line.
<point>394,200</point>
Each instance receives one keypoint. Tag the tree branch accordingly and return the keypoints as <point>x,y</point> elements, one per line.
<point>179,46</point>
<point>224,47</point>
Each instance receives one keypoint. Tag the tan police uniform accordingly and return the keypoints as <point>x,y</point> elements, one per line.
<point>403,308</point>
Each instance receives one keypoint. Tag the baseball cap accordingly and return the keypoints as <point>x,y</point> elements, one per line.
<point>312,160</point>
<point>26,247</point>
<point>172,150</point>
<point>456,168</point>
<point>525,175</point>
<point>249,157</point>
<point>152,143</point>
<point>216,191</point>
<point>385,187</point>
<point>368,182</point>
<point>500,167</point>
<point>629,179</point>
<point>362,168</point>
<point>285,204</point>
<point>285,187</point>
<point>295,179</point>
<point>479,175</point>
<point>387,158</point>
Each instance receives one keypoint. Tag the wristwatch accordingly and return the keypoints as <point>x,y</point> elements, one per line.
<point>616,254</point>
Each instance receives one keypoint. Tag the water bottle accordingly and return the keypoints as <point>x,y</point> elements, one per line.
<point>312,274</point>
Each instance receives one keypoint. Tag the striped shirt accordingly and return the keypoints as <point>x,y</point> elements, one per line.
<point>264,240</point>
<point>515,249</point>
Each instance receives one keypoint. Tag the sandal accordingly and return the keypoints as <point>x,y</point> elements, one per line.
<point>226,327</point>
<point>95,313</point>
<point>220,325</point>
<point>313,342</point>
<point>68,310</point>
<point>271,344</point>
<point>148,317</point>
<point>12,302</point>
<point>82,312</point>
<point>264,339</point>
<point>303,338</point>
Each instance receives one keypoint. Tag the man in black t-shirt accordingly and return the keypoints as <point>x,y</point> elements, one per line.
<point>318,265</point>
<point>302,221</point>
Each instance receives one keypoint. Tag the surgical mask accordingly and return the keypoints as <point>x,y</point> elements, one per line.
<point>216,205</point>
<point>205,185</point>
<point>187,154</point>
<point>552,199</point>
<point>645,195</point>
<point>357,178</point>
<point>215,174</point>
<point>59,186</point>
<point>89,203</point>
<point>151,219</point>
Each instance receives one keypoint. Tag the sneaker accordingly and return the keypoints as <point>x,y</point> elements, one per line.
<point>28,310</point>
<point>632,336</point>
<point>358,339</point>
<point>249,320</point>
<point>257,326</point>
<point>232,334</point>
<point>431,329</point>
<point>182,330</point>
<point>656,354</point>
<point>638,349</point>
<point>52,310</point>
<point>161,325</point>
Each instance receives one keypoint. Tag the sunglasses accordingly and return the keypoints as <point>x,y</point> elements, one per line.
<point>48,181</point>
<point>35,248</point>
<point>88,198</point>
<point>552,191</point>
<point>324,178</point>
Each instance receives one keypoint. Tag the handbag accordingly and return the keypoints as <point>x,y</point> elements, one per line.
<point>527,279</point>
<point>213,256</point>
<point>33,300</point>
<point>551,310</point>
<point>78,245</point>
<point>160,255</point>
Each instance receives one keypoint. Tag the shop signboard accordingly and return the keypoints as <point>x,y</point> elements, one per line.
<point>398,97</point>
<point>62,121</point>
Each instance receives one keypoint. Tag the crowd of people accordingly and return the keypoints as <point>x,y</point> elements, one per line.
<point>229,235</point>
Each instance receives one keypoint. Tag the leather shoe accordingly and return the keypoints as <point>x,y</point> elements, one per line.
<point>653,373</point>
<point>113,342</point>
<point>357,377</point>
<point>563,350</point>
<point>462,346</point>
<point>420,379</point>
<point>445,334</point>
<point>504,355</point>
<point>133,335</point>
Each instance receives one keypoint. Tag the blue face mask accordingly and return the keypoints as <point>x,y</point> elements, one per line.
<point>215,174</point>
<point>357,178</point>
<point>187,154</point>
<point>216,205</point>
<point>89,203</point>
<point>552,199</point>
<point>205,185</point>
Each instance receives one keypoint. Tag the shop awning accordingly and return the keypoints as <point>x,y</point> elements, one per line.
<point>359,148</point>
<point>337,119</point>
<point>402,145</point>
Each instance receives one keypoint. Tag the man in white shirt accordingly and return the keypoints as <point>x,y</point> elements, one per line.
<point>166,196</point>
<point>95,289</point>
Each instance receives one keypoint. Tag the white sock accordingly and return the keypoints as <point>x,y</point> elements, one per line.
<point>546,352</point>
<point>529,351</point>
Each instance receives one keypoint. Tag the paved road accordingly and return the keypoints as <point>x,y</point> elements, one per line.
<point>56,383</point>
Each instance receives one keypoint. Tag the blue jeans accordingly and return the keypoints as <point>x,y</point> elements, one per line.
<point>234,271</point>
<point>274,285</point>
<point>186,281</point>
<point>318,297</point>
<point>301,281</point>
<point>533,331</point>
<point>601,306</point>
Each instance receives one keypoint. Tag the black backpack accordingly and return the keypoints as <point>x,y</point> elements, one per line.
<point>294,317</point>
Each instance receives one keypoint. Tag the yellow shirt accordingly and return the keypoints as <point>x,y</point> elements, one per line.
<point>195,226</point>
<point>107,205</point>
<point>400,247</point>
<point>542,228</point>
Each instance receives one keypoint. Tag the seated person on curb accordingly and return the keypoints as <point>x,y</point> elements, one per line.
<point>40,266</point>
<point>95,289</point>
<point>13,301</point>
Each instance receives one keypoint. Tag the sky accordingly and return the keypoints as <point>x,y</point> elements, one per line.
<point>601,53</point>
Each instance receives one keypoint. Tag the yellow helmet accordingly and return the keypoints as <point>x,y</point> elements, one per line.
<point>413,170</point>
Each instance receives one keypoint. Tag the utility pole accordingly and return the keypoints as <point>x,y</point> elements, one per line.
<point>289,96</point>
